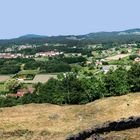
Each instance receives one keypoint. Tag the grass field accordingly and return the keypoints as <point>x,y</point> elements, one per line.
<point>52,122</point>
<point>3,78</point>
<point>41,78</point>
<point>42,59</point>
<point>117,57</point>
<point>24,72</point>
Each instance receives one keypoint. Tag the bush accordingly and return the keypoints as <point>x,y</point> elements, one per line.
<point>116,82</point>
<point>134,77</point>
<point>12,85</point>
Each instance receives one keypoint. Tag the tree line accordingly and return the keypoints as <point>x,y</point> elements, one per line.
<point>71,89</point>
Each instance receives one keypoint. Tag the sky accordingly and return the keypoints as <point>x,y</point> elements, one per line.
<point>66,17</point>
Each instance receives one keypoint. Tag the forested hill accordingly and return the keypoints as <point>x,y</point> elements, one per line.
<point>127,36</point>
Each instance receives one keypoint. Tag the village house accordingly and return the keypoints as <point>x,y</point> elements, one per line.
<point>5,55</point>
<point>105,69</point>
<point>98,63</point>
<point>129,45</point>
<point>72,54</point>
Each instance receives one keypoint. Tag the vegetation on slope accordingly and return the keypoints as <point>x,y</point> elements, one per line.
<point>46,121</point>
<point>71,89</point>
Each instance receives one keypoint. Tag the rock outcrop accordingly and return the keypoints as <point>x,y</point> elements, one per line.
<point>123,124</point>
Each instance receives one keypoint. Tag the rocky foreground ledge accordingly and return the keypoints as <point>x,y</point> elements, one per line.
<point>123,124</point>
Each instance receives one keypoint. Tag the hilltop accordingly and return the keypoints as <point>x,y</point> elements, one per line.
<point>90,35</point>
<point>95,37</point>
<point>47,121</point>
<point>28,36</point>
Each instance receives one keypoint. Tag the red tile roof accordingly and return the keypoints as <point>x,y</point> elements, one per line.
<point>21,92</point>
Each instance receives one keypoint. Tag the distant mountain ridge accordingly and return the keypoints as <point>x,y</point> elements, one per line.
<point>135,31</point>
<point>126,36</point>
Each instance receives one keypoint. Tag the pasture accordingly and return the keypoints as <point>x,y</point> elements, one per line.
<point>3,78</point>
<point>117,57</point>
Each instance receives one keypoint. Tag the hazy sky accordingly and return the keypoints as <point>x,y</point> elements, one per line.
<point>62,17</point>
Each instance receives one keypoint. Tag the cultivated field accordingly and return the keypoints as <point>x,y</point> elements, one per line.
<point>41,78</point>
<point>52,122</point>
<point>117,57</point>
<point>3,78</point>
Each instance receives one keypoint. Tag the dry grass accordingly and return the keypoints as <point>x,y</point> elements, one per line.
<point>52,122</point>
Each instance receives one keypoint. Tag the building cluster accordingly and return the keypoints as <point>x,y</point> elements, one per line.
<point>72,54</point>
<point>47,54</point>
<point>129,45</point>
<point>22,47</point>
<point>19,55</point>
<point>9,55</point>
<point>19,47</point>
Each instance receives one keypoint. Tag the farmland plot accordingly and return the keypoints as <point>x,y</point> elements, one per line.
<point>3,78</point>
<point>41,78</point>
